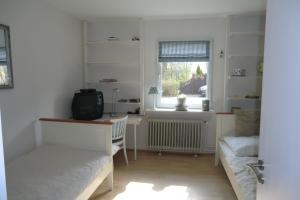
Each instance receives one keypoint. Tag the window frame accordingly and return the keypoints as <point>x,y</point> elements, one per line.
<point>158,73</point>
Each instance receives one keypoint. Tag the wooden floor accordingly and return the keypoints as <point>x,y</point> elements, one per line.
<point>170,176</point>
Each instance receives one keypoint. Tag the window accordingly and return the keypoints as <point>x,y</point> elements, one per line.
<point>184,69</point>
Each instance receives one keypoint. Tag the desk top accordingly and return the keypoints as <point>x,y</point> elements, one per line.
<point>132,119</point>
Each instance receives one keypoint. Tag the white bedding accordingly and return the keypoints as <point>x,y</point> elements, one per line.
<point>247,182</point>
<point>53,172</point>
<point>245,179</point>
<point>243,146</point>
<point>237,164</point>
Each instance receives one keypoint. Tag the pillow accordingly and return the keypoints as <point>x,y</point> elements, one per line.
<point>243,146</point>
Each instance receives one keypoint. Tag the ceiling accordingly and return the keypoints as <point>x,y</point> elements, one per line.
<point>89,9</point>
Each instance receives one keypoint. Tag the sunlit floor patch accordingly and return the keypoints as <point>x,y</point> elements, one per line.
<point>146,191</point>
<point>174,177</point>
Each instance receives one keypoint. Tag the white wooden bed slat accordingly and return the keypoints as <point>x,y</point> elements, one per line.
<point>79,135</point>
<point>226,127</point>
<point>225,123</point>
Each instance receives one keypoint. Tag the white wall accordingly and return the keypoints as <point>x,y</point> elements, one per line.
<point>47,68</point>
<point>183,29</point>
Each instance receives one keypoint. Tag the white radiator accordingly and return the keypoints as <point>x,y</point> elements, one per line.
<point>176,135</point>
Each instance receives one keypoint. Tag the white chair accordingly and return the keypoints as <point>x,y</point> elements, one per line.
<point>119,135</point>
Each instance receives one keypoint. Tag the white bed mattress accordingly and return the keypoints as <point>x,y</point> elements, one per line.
<point>246,180</point>
<point>237,164</point>
<point>243,146</point>
<point>53,172</point>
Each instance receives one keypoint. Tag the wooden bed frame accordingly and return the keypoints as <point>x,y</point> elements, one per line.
<point>80,134</point>
<point>225,123</point>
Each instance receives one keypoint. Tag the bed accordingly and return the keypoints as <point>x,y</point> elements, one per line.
<point>71,160</point>
<point>242,179</point>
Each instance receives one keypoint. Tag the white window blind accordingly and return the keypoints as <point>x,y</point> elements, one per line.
<point>183,51</point>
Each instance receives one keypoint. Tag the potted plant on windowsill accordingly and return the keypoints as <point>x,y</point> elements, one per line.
<point>181,103</point>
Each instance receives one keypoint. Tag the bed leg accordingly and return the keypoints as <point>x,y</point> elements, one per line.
<point>110,179</point>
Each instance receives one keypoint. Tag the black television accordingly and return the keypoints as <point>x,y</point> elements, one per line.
<point>87,104</point>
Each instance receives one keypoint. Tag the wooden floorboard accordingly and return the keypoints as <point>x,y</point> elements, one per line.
<point>170,176</point>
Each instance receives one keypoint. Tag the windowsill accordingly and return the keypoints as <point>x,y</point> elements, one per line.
<point>193,114</point>
<point>173,110</point>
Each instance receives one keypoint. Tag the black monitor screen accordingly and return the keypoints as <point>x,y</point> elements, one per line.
<point>87,106</point>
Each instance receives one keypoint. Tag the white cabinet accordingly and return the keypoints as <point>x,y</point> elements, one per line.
<point>245,49</point>
<point>113,49</point>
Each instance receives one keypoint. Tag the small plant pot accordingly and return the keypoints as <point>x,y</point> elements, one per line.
<point>181,101</point>
<point>205,105</point>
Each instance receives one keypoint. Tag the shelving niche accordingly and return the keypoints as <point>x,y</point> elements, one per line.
<point>120,59</point>
<point>245,50</point>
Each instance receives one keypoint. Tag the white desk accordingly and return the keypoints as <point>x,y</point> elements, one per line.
<point>134,120</point>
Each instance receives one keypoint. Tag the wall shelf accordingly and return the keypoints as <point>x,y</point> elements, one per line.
<point>259,33</point>
<point>237,55</point>
<point>243,99</point>
<point>104,83</point>
<point>244,77</point>
<point>111,62</point>
<point>125,103</point>
<point>245,47</point>
<point>116,43</point>
<point>112,83</point>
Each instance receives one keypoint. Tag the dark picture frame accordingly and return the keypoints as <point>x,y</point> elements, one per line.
<point>6,72</point>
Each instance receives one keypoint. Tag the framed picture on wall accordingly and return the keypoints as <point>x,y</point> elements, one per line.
<point>6,75</point>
